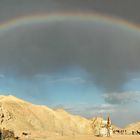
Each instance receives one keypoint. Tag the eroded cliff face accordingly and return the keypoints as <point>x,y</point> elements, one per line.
<point>5,115</point>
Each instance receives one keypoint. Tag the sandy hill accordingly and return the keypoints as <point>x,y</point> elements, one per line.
<point>133,127</point>
<point>17,114</point>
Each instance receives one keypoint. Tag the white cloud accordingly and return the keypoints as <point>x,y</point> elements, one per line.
<point>118,113</point>
<point>89,110</point>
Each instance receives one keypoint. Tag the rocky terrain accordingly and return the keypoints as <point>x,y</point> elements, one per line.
<point>19,115</point>
<point>39,121</point>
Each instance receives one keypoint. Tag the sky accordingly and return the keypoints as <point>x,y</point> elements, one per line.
<point>79,55</point>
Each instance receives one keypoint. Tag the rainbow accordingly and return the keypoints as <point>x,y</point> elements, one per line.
<point>41,18</point>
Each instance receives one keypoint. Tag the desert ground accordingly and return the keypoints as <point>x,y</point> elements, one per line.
<point>85,137</point>
<point>38,122</point>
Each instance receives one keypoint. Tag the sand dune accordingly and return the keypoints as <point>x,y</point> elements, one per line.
<point>41,122</point>
<point>133,127</point>
<point>17,114</point>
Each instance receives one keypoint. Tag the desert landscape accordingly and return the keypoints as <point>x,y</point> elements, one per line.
<point>38,122</point>
<point>69,69</point>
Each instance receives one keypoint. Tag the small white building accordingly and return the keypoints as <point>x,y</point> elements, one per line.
<point>103,132</point>
<point>104,129</point>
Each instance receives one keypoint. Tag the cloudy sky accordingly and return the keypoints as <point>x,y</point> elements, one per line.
<point>80,55</point>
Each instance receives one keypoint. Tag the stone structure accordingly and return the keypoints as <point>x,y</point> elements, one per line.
<point>104,129</point>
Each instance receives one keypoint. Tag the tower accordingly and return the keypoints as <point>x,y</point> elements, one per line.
<point>108,126</point>
<point>108,121</point>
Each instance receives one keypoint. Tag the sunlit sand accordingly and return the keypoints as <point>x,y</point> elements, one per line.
<point>85,137</point>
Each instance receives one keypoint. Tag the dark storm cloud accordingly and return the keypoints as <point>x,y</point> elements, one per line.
<point>126,9</point>
<point>105,51</point>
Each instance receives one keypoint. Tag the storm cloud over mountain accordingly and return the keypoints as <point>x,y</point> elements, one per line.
<point>107,52</point>
<point>80,55</point>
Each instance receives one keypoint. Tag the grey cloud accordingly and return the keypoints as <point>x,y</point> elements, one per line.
<point>122,98</point>
<point>105,51</point>
<point>14,8</point>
